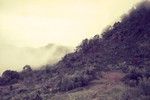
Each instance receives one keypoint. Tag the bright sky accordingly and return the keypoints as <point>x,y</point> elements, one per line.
<point>66,22</point>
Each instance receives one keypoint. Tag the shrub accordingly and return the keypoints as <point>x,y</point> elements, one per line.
<point>144,86</point>
<point>132,79</point>
<point>38,97</point>
<point>140,92</point>
<point>11,74</point>
<point>9,77</point>
<point>131,94</point>
<point>27,71</point>
<point>2,81</point>
<point>27,68</point>
<point>69,82</point>
<point>141,83</point>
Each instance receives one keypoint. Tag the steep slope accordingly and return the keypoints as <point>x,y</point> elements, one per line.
<point>122,50</point>
<point>125,43</point>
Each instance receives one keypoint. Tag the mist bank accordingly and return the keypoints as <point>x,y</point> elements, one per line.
<point>14,58</point>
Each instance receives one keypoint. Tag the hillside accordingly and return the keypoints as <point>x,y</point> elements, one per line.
<point>114,66</point>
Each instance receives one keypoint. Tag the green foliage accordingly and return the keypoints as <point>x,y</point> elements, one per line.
<point>9,77</point>
<point>27,71</point>
<point>144,86</point>
<point>27,68</point>
<point>69,82</point>
<point>138,82</point>
<point>124,46</point>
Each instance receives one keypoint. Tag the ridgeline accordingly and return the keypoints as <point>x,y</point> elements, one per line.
<point>111,66</point>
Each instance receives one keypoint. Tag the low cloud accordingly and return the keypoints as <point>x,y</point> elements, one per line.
<point>12,57</point>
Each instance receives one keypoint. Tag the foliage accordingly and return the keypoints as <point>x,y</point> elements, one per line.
<point>9,77</point>
<point>78,79</point>
<point>123,46</point>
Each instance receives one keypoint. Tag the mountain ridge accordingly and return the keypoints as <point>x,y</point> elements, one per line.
<point>121,54</point>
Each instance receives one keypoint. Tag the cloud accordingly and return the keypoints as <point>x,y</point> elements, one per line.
<point>15,58</point>
<point>38,22</point>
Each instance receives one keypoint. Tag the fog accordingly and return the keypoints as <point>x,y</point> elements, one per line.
<point>27,25</point>
<point>14,58</point>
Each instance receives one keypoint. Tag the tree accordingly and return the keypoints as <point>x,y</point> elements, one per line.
<point>27,72</point>
<point>27,68</point>
<point>9,77</point>
<point>83,45</point>
<point>10,74</point>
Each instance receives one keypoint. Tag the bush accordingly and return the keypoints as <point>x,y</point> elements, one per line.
<point>141,83</point>
<point>131,94</point>
<point>132,79</point>
<point>9,77</point>
<point>2,81</point>
<point>27,68</point>
<point>144,86</point>
<point>69,82</point>
<point>11,74</point>
<point>27,71</point>
<point>140,92</point>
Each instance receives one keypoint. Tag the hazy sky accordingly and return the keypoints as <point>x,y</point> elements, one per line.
<point>66,22</point>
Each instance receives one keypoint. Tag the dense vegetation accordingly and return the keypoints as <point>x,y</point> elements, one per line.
<point>124,47</point>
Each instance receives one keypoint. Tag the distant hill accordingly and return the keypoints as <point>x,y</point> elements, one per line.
<point>113,66</point>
